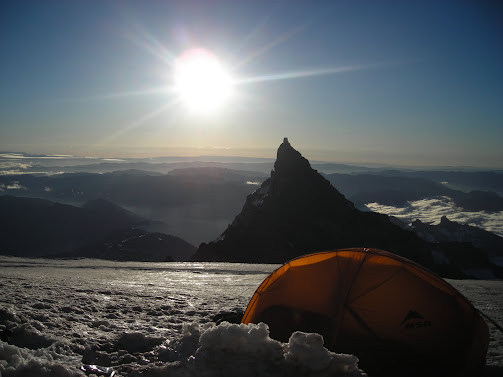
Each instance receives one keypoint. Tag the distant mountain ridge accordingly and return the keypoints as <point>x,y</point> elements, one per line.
<point>112,211</point>
<point>195,207</point>
<point>463,178</point>
<point>451,231</point>
<point>134,244</point>
<point>398,189</point>
<point>197,200</point>
<point>459,180</point>
<point>41,228</point>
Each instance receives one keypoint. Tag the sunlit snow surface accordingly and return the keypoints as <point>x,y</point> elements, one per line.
<point>154,319</point>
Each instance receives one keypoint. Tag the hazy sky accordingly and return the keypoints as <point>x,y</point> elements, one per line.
<point>403,82</point>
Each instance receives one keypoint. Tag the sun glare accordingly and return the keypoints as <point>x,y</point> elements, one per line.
<point>201,80</point>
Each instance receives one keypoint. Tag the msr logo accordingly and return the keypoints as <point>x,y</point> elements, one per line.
<point>414,320</point>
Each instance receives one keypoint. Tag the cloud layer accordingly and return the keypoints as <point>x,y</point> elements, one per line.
<point>431,210</point>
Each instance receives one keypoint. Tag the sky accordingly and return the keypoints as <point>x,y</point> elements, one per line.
<point>417,83</point>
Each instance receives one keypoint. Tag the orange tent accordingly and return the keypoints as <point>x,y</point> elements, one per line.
<point>394,315</point>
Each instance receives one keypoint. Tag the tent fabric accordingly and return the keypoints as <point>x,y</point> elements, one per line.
<point>390,312</point>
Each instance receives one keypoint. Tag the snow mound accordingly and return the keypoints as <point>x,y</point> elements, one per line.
<point>137,342</point>
<point>20,362</point>
<point>247,350</point>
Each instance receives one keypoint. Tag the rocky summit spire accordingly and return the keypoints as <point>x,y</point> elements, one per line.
<point>289,159</point>
<point>297,211</point>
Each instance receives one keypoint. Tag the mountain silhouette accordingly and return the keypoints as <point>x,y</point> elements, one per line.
<point>134,244</point>
<point>398,189</point>
<point>297,211</point>
<point>99,229</point>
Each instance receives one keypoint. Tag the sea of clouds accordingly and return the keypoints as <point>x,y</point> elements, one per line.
<point>431,210</point>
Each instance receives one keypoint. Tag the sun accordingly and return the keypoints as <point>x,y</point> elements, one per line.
<point>201,81</point>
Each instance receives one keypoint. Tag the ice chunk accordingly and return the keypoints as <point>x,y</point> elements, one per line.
<point>97,370</point>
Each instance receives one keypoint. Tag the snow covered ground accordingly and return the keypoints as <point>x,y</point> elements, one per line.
<point>155,319</point>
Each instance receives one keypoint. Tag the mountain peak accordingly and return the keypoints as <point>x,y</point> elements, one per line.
<point>296,211</point>
<point>445,221</point>
<point>288,158</point>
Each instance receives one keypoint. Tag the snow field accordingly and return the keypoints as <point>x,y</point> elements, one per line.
<point>153,319</point>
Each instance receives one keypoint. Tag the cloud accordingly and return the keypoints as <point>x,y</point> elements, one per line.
<point>15,186</point>
<point>10,167</point>
<point>21,156</point>
<point>12,155</point>
<point>431,210</point>
<point>7,164</point>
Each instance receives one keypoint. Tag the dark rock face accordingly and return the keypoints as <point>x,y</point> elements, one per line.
<point>297,211</point>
